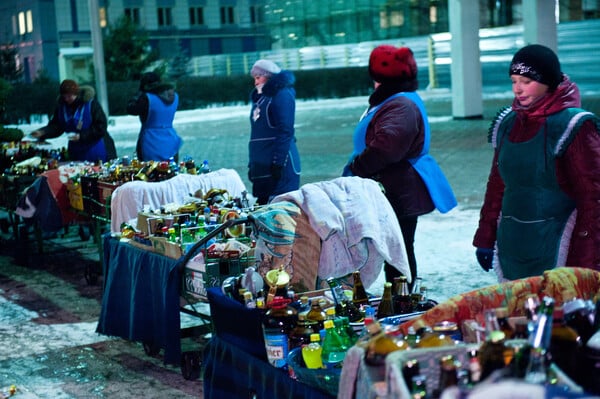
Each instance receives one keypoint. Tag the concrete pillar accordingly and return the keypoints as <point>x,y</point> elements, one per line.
<point>539,23</point>
<point>465,71</point>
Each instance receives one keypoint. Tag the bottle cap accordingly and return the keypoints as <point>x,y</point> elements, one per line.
<point>315,337</point>
<point>328,324</point>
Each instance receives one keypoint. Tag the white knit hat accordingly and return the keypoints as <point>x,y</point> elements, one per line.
<point>264,68</point>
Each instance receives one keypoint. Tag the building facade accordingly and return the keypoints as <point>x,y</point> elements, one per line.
<point>53,37</point>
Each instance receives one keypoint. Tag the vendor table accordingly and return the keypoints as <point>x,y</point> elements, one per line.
<point>141,297</point>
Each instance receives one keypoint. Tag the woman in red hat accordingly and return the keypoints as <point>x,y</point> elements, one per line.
<point>391,146</point>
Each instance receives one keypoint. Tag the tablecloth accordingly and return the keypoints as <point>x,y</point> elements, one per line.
<point>141,297</point>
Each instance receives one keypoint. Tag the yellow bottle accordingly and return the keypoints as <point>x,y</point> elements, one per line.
<point>311,353</point>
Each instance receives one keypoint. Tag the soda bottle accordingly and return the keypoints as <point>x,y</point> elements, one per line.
<point>311,353</point>
<point>343,305</point>
<point>359,294</point>
<point>278,323</point>
<point>334,348</point>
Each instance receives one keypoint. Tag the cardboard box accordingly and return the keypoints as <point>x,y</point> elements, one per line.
<point>163,246</point>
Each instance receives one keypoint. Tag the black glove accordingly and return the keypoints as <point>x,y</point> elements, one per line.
<point>276,171</point>
<point>485,257</point>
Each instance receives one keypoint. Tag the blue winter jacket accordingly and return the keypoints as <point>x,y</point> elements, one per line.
<point>272,146</point>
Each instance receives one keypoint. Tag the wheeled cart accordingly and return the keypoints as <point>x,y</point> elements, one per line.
<point>206,264</point>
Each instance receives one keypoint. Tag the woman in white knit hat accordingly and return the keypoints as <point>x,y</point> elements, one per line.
<point>274,161</point>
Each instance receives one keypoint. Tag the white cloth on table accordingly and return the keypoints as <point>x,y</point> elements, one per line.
<point>127,200</point>
<point>356,224</point>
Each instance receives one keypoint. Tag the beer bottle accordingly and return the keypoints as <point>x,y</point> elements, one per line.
<point>402,301</point>
<point>491,353</point>
<point>300,335</point>
<point>386,306</point>
<point>449,367</point>
<point>316,313</point>
<point>580,316</point>
<point>343,305</point>
<point>539,342</point>
<point>415,295</point>
<point>359,294</point>
<point>503,323</point>
<point>427,338</point>
<point>565,344</point>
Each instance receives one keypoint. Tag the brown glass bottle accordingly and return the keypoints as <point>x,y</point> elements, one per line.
<point>359,294</point>
<point>491,353</point>
<point>402,301</point>
<point>386,306</point>
<point>503,323</point>
<point>565,345</point>
<point>316,313</point>
<point>449,367</point>
<point>300,335</point>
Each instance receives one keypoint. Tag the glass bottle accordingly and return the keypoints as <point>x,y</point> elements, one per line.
<point>580,316</point>
<point>311,353</point>
<point>316,313</point>
<point>402,301</point>
<point>386,306</point>
<point>343,305</point>
<point>359,294</point>
<point>565,344</point>
<point>491,353</point>
<point>415,295</point>
<point>539,342</point>
<point>340,328</point>
<point>300,335</point>
<point>381,344</point>
<point>449,367</point>
<point>503,323</point>
<point>334,349</point>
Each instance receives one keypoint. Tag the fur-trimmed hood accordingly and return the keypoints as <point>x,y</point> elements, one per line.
<point>86,93</point>
<point>279,81</point>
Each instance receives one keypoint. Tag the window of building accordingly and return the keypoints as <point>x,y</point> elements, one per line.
<point>165,16</point>
<point>133,14</point>
<point>227,15</point>
<point>196,16</point>
<point>25,22</point>
<point>391,18</point>
<point>257,15</point>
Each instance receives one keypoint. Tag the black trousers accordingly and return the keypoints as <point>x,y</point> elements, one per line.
<point>408,226</point>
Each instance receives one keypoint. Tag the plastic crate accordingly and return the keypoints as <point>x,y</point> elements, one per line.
<point>199,275</point>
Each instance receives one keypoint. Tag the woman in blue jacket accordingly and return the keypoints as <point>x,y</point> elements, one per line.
<point>155,104</point>
<point>274,161</point>
<point>78,114</point>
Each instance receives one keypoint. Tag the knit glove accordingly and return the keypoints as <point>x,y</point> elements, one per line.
<point>276,171</point>
<point>485,257</point>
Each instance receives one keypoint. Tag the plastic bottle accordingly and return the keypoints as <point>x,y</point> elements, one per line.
<point>334,349</point>
<point>278,323</point>
<point>311,353</point>
<point>205,168</point>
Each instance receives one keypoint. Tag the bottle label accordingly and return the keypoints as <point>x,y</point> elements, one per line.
<point>334,360</point>
<point>277,347</point>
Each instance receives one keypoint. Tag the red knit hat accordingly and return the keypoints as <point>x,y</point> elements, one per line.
<point>389,63</point>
